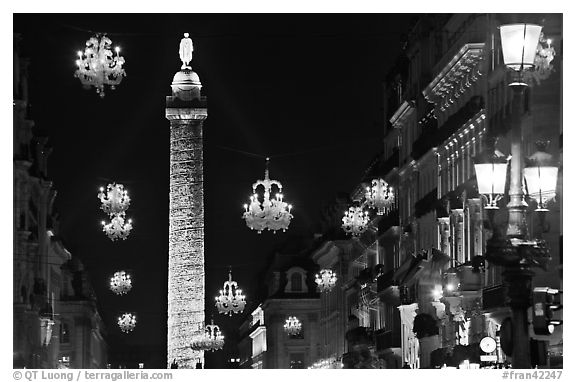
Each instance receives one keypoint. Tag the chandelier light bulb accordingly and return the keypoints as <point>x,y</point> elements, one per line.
<point>120,283</point>
<point>97,65</point>
<point>355,221</point>
<point>211,340</point>
<point>326,280</point>
<point>292,326</point>
<point>115,199</point>
<point>127,322</point>
<point>117,228</point>
<point>380,196</point>
<point>231,299</point>
<point>271,214</point>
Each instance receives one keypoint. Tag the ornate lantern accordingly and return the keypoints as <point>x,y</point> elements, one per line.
<point>120,283</point>
<point>97,65</point>
<point>355,221</point>
<point>231,299</point>
<point>117,228</point>
<point>115,200</point>
<point>293,326</point>
<point>326,280</point>
<point>541,176</point>
<point>272,214</point>
<point>491,166</point>
<point>211,340</point>
<point>519,43</point>
<point>127,322</point>
<point>380,196</point>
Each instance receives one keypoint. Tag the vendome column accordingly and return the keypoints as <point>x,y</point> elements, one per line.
<point>186,110</point>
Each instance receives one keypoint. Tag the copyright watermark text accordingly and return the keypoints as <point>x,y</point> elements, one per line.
<point>86,375</point>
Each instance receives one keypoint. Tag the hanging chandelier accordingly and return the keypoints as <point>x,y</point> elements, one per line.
<point>97,65</point>
<point>355,221</point>
<point>211,340</point>
<point>120,283</point>
<point>326,280</point>
<point>118,228</point>
<point>127,322</point>
<point>115,200</point>
<point>272,214</point>
<point>231,299</point>
<point>293,326</point>
<point>380,196</point>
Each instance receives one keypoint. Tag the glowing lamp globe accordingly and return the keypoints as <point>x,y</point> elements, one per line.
<point>541,176</point>
<point>519,42</point>
<point>491,167</point>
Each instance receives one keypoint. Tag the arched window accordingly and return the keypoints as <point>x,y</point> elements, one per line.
<point>296,282</point>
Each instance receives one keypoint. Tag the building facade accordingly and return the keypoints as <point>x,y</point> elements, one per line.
<point>56,322</point>
<point>424,259</point>
<point>291,292</point>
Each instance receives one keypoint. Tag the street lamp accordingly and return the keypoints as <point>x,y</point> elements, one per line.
<point>514,251</point>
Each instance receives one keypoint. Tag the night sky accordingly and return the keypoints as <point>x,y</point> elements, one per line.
<point>305,90</point>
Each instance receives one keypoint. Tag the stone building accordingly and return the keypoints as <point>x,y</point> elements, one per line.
<point>56,323</point>
<point>291,292</point>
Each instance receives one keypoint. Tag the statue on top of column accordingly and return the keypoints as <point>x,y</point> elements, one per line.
<point>186,49</point>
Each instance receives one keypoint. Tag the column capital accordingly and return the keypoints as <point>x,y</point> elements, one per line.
<point>186,113</point>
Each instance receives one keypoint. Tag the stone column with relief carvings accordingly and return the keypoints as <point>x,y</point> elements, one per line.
<point>186,110</point>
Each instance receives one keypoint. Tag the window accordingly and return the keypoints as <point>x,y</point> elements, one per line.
<point>64,333</point>
<point>296,360</point>
<point>296,282</point>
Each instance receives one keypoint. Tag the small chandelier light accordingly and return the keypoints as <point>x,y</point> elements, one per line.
<point>97,65</point>
<point>272,214</point>
<point>545,54</point>
<point>127,322</point>
<point>120,283</point>
<point>293,326</point>
<point>326,280</point>
<point>541,176</point>
<point>115,200</point>
<point>231,299</point>
<point>117,228</point>
<point>355,221</point>
<point>211,340</point>
<point>380,196</point>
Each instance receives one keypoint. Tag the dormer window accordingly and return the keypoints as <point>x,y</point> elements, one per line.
<point>296,282</point>
<point>296,278</point>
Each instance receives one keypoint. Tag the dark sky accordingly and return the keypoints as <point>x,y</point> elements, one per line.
<point>304,88</point>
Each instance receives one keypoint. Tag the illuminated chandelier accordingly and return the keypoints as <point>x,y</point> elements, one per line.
<point>272,214</point>
<point>380,196</point>
<point>231,299</point>
<point>355,221</point>
<point>293,326</point>
<point>542,60</point>
<point>326,280</point>
<point>97,65</point>
<point>115,200</point>
<point>211,340</point>
<point>120,283</point>
<point>118,228</point>
<point>127,322</point>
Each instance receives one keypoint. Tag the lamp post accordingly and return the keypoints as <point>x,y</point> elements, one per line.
<point>515,251</point>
